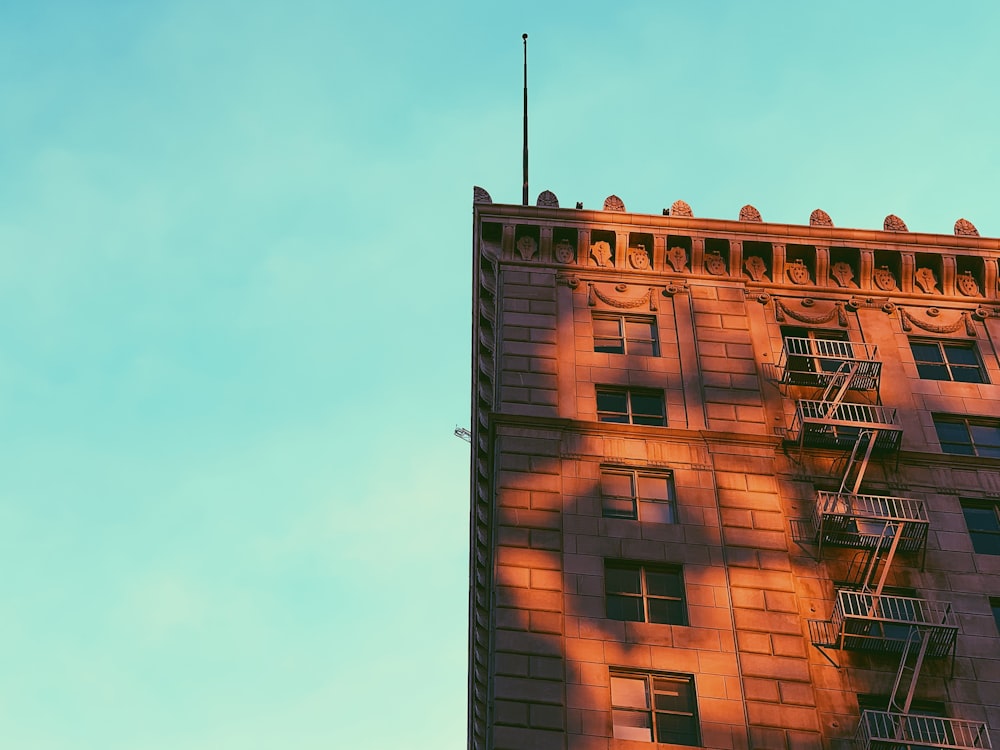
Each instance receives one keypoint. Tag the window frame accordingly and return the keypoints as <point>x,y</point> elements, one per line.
<point>985,541</point>
<point>943,345</point>
<point>652,715</point>
<point>630,414</point>
<point>981,449</point>
<point>643,596</point>
<point>648,509</point>
<point>623,319</point>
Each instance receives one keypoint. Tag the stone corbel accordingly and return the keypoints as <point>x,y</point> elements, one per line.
<point>567,279</point>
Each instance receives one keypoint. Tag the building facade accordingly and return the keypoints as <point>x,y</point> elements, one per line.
<point>735,484</point>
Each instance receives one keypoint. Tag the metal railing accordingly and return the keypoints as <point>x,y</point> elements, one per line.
<point>845,519</point>
<point>882,730</point>
<point>825,424</point>
<point>862,621</point>
<point>808,361</point>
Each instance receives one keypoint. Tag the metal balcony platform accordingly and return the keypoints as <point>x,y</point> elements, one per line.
<point>882,624</point>
<point>882,730</point>
<point>843,519</point>
<point>815,362</point>
<point>825,424</point>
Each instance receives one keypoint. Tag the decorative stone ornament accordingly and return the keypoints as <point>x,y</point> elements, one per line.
<point>638,258</point>
<point>842,273</point>
<point>908,320</point>
<point>965,228</point>
<point>820,218</point>
<point>677,258</point>
<point>547,199</point>
<point>620,300</point>
<point>601,253</point>
<point>893,223</point>
<point>680,208</point>
<point>798,272</point>
<point>614,203</point>
<point>715,264</point>
<point>755,267</point>
<point>479,195</point>
<point>967,284</point>
<point>527,247</point>
<point>749,213</point>
<point>925,279</point>
<point>565,252</point>
<point>884,279</point>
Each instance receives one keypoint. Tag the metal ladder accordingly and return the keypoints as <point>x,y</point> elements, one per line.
<point>907,674</point>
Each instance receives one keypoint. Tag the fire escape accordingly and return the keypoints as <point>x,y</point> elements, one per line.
<point>865,618</point>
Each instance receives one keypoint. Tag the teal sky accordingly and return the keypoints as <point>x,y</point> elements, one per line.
<point>234,311</point>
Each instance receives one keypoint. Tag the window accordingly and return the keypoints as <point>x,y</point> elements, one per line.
<point>984,526</point>
<point>804,347</point>
<point>968,436</point>
<point>995,606</point>
<point>652,707</point>
<point>625,334</point>
<point>874,702</point>
<point>644,593</point>
<point>638,494</point>
<point>628,406</point>
<point>948,360</point>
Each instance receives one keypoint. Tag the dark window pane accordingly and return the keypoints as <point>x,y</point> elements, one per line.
<point>666,611</point>
<point>622,580</point>
<point>932,372</point>
<point>647,409</point>
<point>680,730</point>
<point>985,436</point>
<point>612,401</point>
<point>672,694</point>
<point>967,374</point>
<point>952,432</point>
<point>958,449</point>
<point>961,355</point>
<point>985,543</point>
<point>650,420</point>
<point>926,352</point>
<point>664,583</point>
<point>628,608</point>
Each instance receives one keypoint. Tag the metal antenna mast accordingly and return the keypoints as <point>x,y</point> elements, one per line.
<point>524,187</point>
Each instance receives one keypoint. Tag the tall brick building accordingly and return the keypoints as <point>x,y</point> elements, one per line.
<point>734,484</point>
